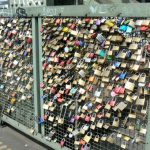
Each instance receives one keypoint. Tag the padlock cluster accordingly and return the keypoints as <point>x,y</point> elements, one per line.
<point>16,69</point>
<point>96,82</point>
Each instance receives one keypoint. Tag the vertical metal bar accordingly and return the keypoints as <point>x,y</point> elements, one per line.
<point>147,147</point>
<point>36,71</point>
<point>76,2</point>
<point>40,69</point>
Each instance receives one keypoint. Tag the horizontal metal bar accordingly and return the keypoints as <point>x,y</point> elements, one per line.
<point>127,10</point>
<point>36,136</point>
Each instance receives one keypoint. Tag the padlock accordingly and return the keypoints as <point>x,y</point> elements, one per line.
<point>88,137</point>
<point>115,122</point>
<point>62,142</point>
<point>88,118</point>
<point>129,85</point>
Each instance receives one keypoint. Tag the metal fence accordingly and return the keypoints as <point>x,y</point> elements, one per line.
<point>77,82</point>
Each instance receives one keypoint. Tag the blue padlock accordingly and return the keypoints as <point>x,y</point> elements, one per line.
<point>25,53</point>
<point>73,90</point>
<point>81,43</point>
<point>123,28</point>
<point>117,64</point>
<point>122,76</point>
<point>1,86</point>
<point>102,53</point>
<point>129,53</point>
<point>50,59</point>
<point>90,105</point>
<point>129,29</point>
<point>119,21</point>
<point>41,121</point>
<point>44,96</point>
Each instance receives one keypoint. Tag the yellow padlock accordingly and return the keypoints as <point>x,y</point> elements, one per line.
<point>65,29</point>
<point>109,23</point>
<point>13,101</point>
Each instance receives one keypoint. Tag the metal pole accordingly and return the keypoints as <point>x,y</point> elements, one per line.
<point>40,71</point>
<point>36,70</point>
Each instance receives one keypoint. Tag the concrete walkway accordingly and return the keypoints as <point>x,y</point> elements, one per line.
<point>10,139</point>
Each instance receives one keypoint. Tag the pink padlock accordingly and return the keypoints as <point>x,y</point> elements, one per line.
<point>77,117</point>
<point>82,148</point>
<point>88,118</point>
<point>112,103</point>
<point>42,85</point>
<point>42,29</point>
<point>62,142</point>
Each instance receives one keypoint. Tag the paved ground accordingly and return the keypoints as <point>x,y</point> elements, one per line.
<point>13,140</point>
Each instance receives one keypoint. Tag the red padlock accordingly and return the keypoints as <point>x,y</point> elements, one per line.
<point>91,55</point>
<point>62,63</point>
<point>148,48</point>
<point>45,65</point>
<point>53,90</point>
<point>94,35</point>
<point>112,103</point>
<point>122,90</point>
<point>99,106</point>
<point>116,90</point>
<point>69,61</point>
<point>29,40</point>
<point>77,43</point>
<point>67,91</point>
<point>87,20</point>
<point>60,100</point>
<point>143,28</point>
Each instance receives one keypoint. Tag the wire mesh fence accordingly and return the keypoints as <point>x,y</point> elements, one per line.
<point>17,69</point>
<point>96,82</point>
